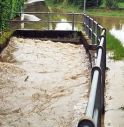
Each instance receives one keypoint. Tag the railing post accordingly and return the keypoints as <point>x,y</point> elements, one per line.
<point>22,18</point>
<point>98,33</point>
<point>73,20</point>
<point>87,22</point>
<point>84,22</point>
<point>48,20</point>
<point>105,46</point>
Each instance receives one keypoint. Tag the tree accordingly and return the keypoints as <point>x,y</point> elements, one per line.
<point>8,9</point>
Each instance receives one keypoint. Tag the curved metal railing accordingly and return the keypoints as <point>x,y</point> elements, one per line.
<point>95,107</point>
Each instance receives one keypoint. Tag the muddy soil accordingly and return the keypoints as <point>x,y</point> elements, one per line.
<point>114,115</point>
<point>43,83</point>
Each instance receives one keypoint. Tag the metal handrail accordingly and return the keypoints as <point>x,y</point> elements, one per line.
<point>95,107</point>
<point>49,19</point>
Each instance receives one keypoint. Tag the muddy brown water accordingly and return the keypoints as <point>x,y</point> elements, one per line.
<point>114,25</point>
<point>43,83</point>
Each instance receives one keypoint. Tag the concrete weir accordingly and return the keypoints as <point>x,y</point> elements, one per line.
<point>32,1</point>
<point>43,83</point>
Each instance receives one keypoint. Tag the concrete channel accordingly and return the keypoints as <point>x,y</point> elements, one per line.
<point>51,77</point>
<point>43,83</point>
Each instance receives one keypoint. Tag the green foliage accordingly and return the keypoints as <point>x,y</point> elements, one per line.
<point>94,3</point>
<point>4,37</point>
<point>8,10</point>
<point>78,2</point>
<point>112,4</point>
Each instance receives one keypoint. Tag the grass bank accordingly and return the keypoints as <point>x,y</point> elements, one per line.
<point>62,6</point>
<point>115,46</point>
<point>4,37</point>
<point>105,12</point>
<point>102,11</point>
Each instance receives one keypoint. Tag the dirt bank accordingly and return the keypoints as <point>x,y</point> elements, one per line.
<point>42,83</point>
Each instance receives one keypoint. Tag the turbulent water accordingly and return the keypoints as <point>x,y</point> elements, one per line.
<point>43,83</point>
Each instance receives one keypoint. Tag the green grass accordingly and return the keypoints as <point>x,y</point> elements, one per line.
<point>4,37</point>
<point>105,12</point>
<point>115,46</point>
<point>62,6</point>
<point>121,4</point>
<point>102,11</point>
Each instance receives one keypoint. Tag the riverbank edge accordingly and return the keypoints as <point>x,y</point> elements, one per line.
<point>93,11</point>
<point>4,39</point>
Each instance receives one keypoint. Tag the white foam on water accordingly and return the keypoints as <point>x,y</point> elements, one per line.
<point>119,34</point>
<point>30,17</point>
<point>32,1</point>
<point>64,25</point>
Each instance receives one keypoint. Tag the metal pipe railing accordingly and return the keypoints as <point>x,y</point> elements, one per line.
<point>49,19</point>
<point>95,106</point>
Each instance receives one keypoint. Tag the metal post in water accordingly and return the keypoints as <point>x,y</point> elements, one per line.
<point>84,6</point>
<point>22,18</point>
<point>73,20</point>
<point>48,20</point>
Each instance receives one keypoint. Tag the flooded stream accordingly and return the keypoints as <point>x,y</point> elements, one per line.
<point>36,98</point>
<point>115,25</point>
<point>43,83</point>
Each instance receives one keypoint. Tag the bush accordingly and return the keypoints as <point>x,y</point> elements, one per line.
<point>8,11</point>
<point>4,37</point>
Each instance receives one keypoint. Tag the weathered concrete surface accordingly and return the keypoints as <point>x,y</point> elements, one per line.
<point>114,115</point>
<point>33,1</point>
<point>42,84</point>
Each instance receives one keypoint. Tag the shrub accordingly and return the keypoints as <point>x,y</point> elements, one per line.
<point>8,11</point>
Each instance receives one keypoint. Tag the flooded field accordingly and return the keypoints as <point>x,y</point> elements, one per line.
<point>43,83</point>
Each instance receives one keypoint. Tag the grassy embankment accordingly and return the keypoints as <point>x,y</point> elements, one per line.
<point>101,11</point>
<point>4,37</point>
